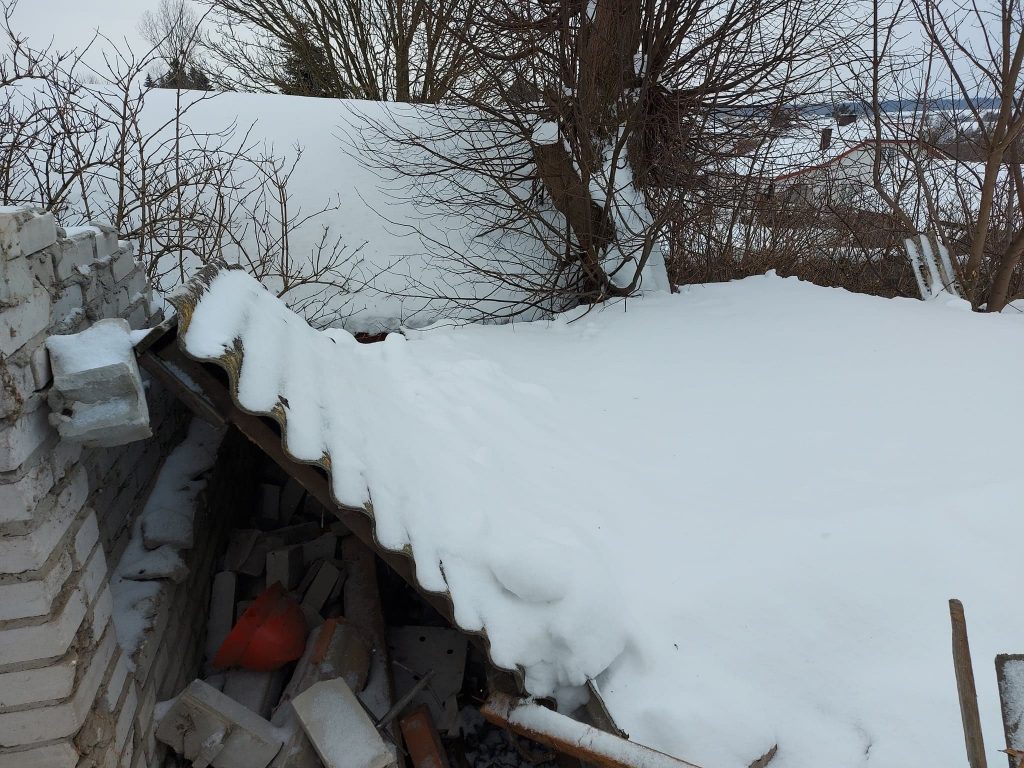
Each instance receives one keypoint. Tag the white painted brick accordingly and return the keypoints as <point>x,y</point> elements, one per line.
<point>40,366</point>
<point>54,637</point>
<point>102,613</point>
<point>43,641</point>
<point>106,238</point>
<point>18,500</point>
<point>128,755</point>
<point>125,720</point>
<point>16,283</point>
<point>61,754</point>
<point>24,232</point>
<point>62,255</point>
<point>23,599</point>
<point>16,388</point>
<point>71,253</point>
<point>115,686</point>
<point>18,324</point>
<point>144,715</point>
<point>70,299</point>
<point>28,552</point>
<point>63,458</point>
<point>86,539</point>
<point>51,683</point>
<point>31,726</point>
<point>41,266</point>
<point>20,439</point>
<point>121,265</point>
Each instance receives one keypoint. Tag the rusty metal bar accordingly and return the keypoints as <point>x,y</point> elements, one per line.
<point>571,737</point>
<point>1012,700</point>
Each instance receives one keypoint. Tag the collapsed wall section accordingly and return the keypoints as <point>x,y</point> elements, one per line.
<point>70,695</point>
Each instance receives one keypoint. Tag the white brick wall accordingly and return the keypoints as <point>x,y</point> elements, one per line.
<point>69,697</point>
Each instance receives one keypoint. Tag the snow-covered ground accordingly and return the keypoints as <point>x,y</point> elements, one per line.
<point>741,509</point>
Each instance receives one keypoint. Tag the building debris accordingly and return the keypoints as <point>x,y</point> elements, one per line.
<point>207,727</point>
<point>417,651</point>
<point>363,690</point>
<point>256,691</point>
<point>1010,674</point>
<point>340,730</point>
<point>97,397</point>
<point>571,737</point>
<point>425,749</point>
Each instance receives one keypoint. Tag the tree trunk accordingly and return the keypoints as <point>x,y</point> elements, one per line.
<point>589,222</point>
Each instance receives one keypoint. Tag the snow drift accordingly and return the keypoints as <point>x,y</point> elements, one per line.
<point>742,509</point>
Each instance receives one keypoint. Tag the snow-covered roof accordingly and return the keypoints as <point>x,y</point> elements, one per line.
<point>739,510</point>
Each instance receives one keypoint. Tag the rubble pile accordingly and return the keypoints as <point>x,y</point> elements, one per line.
<point>301,670</point>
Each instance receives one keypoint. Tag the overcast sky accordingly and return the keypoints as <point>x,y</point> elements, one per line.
<point>71,23</point>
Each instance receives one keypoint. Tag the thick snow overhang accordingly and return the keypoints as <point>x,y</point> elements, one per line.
<point>209,385</point>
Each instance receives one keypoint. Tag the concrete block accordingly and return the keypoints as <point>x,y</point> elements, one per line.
<point>60,754</point>
<point>203,721</point>
<point>42,684</point>
<point>285,566</point>
<point>19,499</point>
<point>102,405</point>
<point>323,547</point>
<point>19,323</point>
<point>25,231</point>
<point>24,598</point>
<point>320,590</point>
<point>256,691</point>
<point>334,649</point>
<point>222,611</point>
<point>339,728</point>
<point>55,515</point>
<point>31,726</point>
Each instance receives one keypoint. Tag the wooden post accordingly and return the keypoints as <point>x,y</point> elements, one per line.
<point>965,687</point>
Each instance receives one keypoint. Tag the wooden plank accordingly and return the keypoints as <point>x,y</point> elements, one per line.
<point>965,688</point>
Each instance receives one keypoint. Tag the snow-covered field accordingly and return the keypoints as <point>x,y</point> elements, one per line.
<point>742,509</point>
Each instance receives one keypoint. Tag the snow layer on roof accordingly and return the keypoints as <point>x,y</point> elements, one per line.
<point>741,509</point>
<point>408,260</point>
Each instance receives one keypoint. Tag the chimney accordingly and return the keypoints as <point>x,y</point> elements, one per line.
<point>826,139</point>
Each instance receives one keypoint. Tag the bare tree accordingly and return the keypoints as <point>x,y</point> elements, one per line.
<point>591,126</point>
<point>383,50</point>
<point>957,179</point>
<point>173,30</point>
<point>183,194</point>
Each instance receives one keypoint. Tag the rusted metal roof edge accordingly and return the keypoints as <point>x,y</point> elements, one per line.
<point>185,302</point>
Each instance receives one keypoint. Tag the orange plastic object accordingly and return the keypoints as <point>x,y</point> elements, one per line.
<point>270,633</point>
